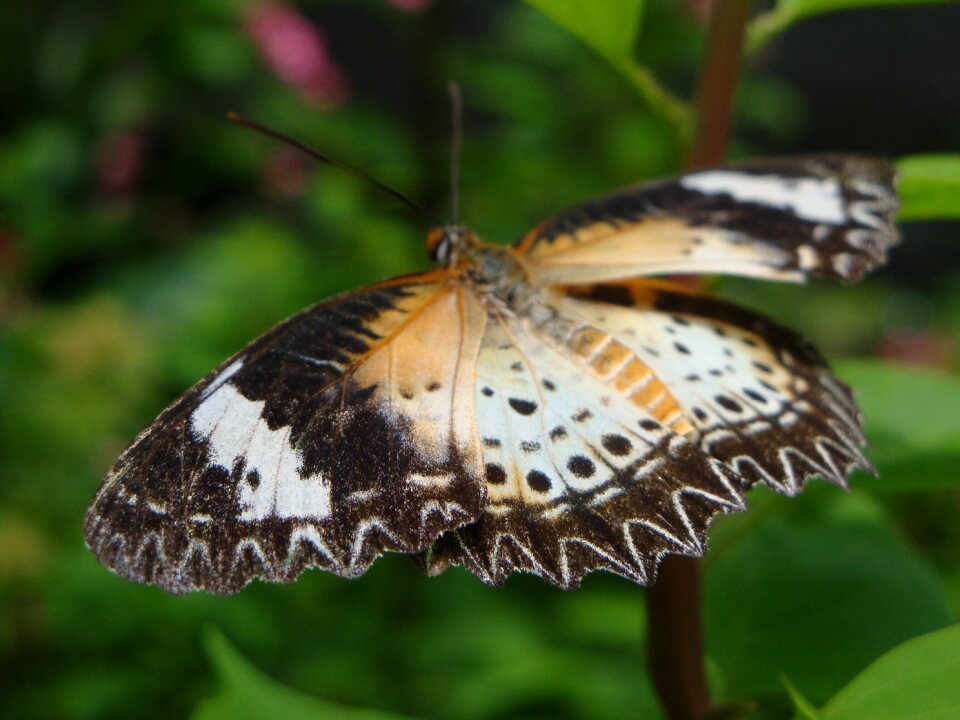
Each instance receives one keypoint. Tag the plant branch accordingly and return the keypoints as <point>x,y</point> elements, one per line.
<point>674,633</point>
<point>674,640</point>
<point>718,81</point>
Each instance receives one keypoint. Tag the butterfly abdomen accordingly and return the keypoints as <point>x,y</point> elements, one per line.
<point>618,367</point>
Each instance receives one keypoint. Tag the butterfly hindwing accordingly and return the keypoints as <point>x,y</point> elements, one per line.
<point>343,432</point>
<point>780,219</point>
<point>759,397</point>
<point>578,477</point>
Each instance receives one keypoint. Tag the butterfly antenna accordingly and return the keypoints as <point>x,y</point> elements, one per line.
<point>456,111</point>
<point>320,157</point>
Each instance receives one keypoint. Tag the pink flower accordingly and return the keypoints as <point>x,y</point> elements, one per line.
<point>297,52</point>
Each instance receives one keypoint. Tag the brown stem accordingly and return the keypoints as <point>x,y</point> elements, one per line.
<point>674,642</point>
<point>674,636</point>
<point>718,81</point>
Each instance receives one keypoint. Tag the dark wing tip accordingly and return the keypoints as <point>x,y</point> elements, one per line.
<point>180,559</point>
<point>848,248</point>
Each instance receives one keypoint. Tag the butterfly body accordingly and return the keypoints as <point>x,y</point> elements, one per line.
<point>542,406</point>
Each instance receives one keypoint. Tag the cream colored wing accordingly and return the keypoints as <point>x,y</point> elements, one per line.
<point>774,219</point>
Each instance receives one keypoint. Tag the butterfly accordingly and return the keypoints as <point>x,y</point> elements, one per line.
<point>546,406</point>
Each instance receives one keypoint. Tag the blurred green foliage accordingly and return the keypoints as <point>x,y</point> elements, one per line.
<point>143,239</point>
<point>929,185</point>
<point>785,13</point>
<point>915,680</point>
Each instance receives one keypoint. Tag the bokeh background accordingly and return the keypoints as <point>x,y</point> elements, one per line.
<point>143,239</point>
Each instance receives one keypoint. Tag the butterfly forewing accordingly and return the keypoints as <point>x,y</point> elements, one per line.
<point>775,219</point>
<point>343,432</point>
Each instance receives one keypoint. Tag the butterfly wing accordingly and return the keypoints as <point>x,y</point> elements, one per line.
<point>578,476</point>
<point>758,396</point>
<point>343,432</point>
<point>780,219</point>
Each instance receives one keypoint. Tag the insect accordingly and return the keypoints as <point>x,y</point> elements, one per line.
<point>545,406</point>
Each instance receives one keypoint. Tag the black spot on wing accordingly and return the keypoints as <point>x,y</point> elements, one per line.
<point>524,407</point>
<point>616,444</point>
<point>495,474</point>
<point>729,404</point>
<point>581,466</point>
<point>539,481</point>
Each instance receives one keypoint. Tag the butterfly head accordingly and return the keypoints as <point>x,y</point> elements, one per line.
<point>445,244</point>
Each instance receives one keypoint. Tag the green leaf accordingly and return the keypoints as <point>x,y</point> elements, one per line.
<point>916,680</point>
<point>912,403</point>
<point>805,709</point>
<point>903,470</point>
<point>912,419</point>
<point>787,12</point>
<point>929,187</point>
<point>610,29</point>
<point>814,587</point>
<point>247,694</point>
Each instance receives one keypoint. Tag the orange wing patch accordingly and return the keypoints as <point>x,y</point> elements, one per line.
<point>427,389</point>
<point>613,363</point>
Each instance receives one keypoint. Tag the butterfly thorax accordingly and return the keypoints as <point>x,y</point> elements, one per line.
<point>493,271</point>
